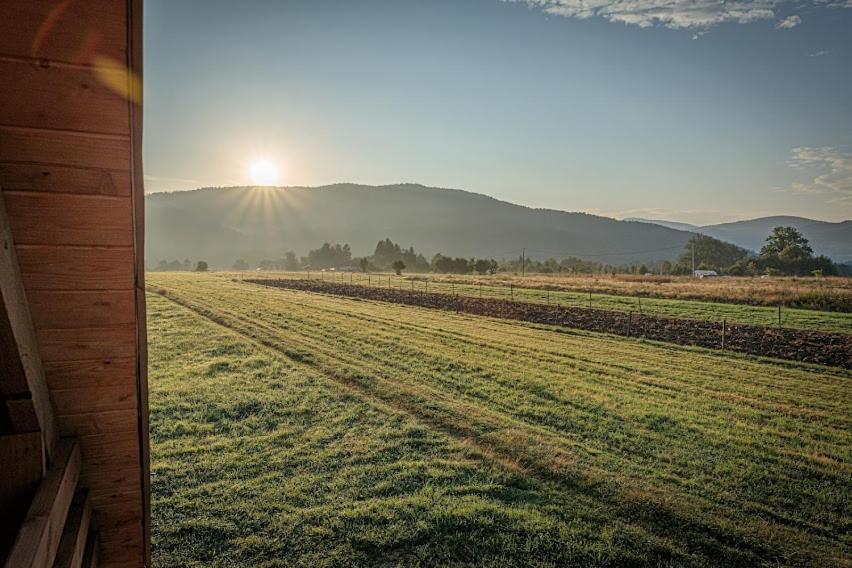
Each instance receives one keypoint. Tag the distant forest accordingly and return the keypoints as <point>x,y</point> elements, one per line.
<point>786,252</point>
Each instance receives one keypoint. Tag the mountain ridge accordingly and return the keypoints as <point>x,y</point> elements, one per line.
<point>222,224</point>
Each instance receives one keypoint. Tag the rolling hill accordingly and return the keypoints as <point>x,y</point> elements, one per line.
<point>831,239</point>
<point>222,224</point>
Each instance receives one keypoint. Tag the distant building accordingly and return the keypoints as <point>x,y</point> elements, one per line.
<point>705,273</point>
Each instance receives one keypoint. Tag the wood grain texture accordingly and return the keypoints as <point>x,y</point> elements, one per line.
<point>61,220</point>
<point>38,537</point>
<point>98,423</point>
<point>89,374</point>
<point>73,268</point>
<point>51,178</point>
<point>72,32</point>
<point>87,344</point>
<point>98,399</point>
<point>64,148</point>
<point>58,97</point>
<point>96,308</point>
<point>110,451</point>
<point>90,556</point>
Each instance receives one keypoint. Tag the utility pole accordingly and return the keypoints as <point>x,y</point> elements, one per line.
<point>523,262</point>
<point>693,259</point>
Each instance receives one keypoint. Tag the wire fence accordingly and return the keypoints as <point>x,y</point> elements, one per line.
<point>786,343</point>
<point>768,316</point>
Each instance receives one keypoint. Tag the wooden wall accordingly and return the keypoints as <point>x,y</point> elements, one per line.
<point>70,171</point>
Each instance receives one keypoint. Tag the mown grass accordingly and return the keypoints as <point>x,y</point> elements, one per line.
<point>835,322</point>
<point>292,428</point>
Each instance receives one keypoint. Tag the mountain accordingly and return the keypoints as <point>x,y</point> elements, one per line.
<point>221,225</point>
<point>831,239</point>
<point>669,224</point>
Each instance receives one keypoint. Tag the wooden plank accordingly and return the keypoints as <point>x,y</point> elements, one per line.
<point>38,537</point>
<point>99,151</point>
<point>21,456</point>
<point>96,308</point>
<point>76,268</point>
<point>89,374</point>
<point>61,220</point>
<point>18,314</point>
<point>87,344</point>
<point>62,179</point>
<point>122,396</point>
<point>71,32</point>
<point>72,545</point>
<point>115,491</point>
<point>41,95</point>
<point>90,555</point>
<point>110,451</point>
<point>98,423</point>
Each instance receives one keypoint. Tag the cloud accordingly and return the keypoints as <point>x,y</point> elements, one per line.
<point>676,14</point>
<point>788,23</point>
<point>818,53</point>
<point>834,169</point>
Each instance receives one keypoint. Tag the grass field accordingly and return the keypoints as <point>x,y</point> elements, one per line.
<point>290,428</point>
<point>835,322</point>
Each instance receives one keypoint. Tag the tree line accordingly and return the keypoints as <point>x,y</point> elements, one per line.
<point>785,252</point>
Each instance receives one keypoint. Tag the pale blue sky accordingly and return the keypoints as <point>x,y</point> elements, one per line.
<point>702,113</point>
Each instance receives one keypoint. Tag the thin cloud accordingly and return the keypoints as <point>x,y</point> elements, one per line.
<point>789,23</point>
<point>818,53</point>
<point>675,14</point>
<point>833,170</point>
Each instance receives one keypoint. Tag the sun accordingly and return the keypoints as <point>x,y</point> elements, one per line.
<point>263,172</point>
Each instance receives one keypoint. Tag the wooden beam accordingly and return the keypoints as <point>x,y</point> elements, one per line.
<point>72,545</point>
<point>18,311</point>
<point>39,535</point>
<point>90,555</point>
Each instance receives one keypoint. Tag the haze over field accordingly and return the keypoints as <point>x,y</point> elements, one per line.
<point>224,224</point>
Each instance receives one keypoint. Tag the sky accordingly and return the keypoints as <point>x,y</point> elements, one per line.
<point>700,111</point>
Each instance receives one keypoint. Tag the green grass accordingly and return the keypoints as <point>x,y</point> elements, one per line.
<point>835,322</point>
<point>300,429</point>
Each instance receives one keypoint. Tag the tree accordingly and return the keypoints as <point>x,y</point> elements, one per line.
<point>783,237</point>
<point>364,264</point>
<point>398,266</point>
<point>201,266</point>
<point>290,262</point>
<point>481,266</point>
<point>710,254</point>
<point>240,265</point>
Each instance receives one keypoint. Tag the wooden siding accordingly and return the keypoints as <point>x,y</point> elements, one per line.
<point>70,172</point>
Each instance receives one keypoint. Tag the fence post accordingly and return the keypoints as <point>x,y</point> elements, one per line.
<point>548,297</point>
<point>779,315</point>
<point>590,299</point>
<point>724,331</point>
<point>480,290</point>
<point>427,284</point>
<point>512,291</point>
<point>368,281</point>
<point>629,321</point>
<point>640,304</point>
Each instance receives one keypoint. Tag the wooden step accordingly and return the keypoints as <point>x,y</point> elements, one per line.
<point>39,535</point>
<point>72,545</point>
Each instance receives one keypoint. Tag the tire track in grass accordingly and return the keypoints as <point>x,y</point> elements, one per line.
<point>663,514</point>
